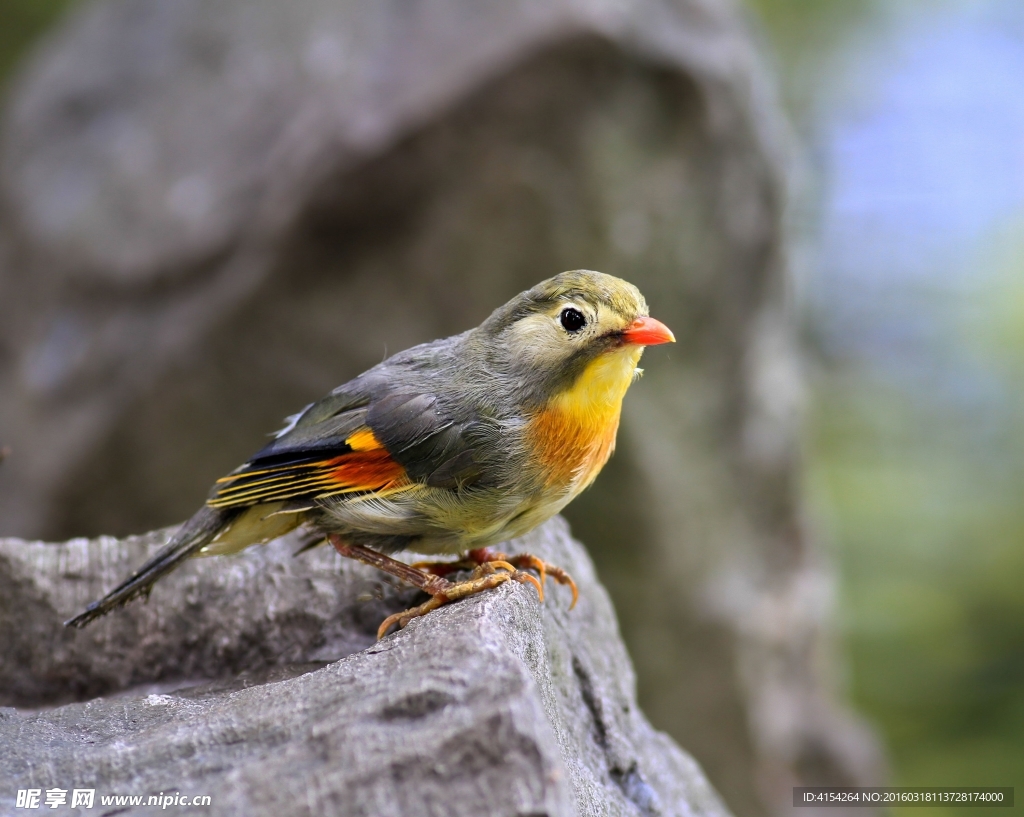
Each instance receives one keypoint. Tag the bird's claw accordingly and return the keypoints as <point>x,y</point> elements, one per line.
<point>403,618</point>
<point>447,591</point>
<point>527,561</point>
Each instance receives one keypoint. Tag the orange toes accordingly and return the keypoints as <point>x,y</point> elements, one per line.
<point>527,561</point>
<point>523,578</point>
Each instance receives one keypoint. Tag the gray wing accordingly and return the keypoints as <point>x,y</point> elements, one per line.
<point>394,423</point>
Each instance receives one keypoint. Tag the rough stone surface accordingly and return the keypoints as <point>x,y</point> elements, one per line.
<point>214,211</point>
<point>496,705</point>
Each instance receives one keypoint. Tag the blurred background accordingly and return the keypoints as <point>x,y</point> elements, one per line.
<point>911,120</point>
<point>835,569</point>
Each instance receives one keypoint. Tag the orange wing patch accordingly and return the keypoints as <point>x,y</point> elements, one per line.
<point>363,440</point>
<point>366,467</point>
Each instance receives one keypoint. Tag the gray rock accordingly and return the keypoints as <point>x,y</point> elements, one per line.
<point>497,705</point>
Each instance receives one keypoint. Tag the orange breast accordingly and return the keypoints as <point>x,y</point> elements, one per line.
<point>572,447</point>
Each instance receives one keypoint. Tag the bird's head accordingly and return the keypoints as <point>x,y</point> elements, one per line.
<point>576,337</point>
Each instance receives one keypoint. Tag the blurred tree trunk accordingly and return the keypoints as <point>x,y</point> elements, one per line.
<point>213,212</point>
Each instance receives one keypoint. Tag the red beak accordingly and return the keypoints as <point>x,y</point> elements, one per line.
<point>648,332</point>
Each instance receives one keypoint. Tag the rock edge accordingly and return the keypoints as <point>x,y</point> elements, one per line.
<point>496,705</point>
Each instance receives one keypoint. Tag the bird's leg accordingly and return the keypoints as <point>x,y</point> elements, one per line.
<point>444,568</point>
<point>440,590</point>
<point>433,585</point>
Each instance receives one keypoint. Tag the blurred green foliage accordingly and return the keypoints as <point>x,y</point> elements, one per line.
<point>918,476</point>
<point>22,22</point>
<point>924,500</point>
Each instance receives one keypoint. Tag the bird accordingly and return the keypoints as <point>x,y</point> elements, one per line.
<point>448,448</point>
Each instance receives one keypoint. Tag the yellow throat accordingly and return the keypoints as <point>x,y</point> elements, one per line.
<point>575,434</point>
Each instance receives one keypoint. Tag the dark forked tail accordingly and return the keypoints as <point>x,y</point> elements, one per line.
<point>189,539</point>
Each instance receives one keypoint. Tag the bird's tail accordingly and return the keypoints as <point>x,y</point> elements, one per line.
<point>187,541</point>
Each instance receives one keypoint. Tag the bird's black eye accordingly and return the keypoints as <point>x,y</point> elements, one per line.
<point>572,319</point>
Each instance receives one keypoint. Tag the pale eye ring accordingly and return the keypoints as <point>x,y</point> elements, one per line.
<point>572,320</point>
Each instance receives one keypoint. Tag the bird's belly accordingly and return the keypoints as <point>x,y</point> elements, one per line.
<point>568,451</point>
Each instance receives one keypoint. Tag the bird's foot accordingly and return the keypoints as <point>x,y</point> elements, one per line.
<point>527,561</point>
<point>486,574</point>
<point>518,563</point>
